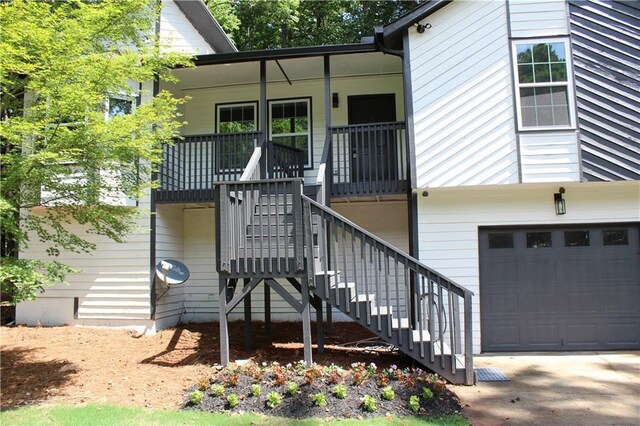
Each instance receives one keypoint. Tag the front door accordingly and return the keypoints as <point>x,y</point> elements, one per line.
<point>373,151</point>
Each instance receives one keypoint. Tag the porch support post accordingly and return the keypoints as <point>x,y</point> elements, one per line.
<point>248,333</point>
<point>327,119</point>
<point>224,331</point>
<point>306,324</point>
<point>263,99</point>
<point>267,309</point>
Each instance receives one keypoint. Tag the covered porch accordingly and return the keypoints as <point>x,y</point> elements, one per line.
<point>333,115</point>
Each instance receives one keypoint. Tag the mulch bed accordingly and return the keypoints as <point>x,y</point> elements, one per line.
<point>411,382</point>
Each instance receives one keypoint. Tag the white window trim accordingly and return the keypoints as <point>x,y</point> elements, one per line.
<point>569,84</point>
<point>308,162</point>
<point>239,104</point>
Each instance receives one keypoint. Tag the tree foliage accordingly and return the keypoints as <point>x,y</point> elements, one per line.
<point>61,63</point>
<point>266,24</point>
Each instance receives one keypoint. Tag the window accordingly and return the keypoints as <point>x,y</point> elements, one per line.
<point>500,240</point>
<point>237,118</point>
<point>118,107</point>
<point>615,237</point>
<point>538,239</point>
<point>543,91</point>
<point>290,124</point>
<point>576,238</point>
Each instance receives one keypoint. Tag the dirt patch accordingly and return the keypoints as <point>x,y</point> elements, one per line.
<point>73,365</point>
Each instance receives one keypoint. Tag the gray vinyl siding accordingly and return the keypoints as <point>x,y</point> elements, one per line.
<point>605,39</point>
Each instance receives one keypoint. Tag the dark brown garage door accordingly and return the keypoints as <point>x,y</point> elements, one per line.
<point>572,288</point>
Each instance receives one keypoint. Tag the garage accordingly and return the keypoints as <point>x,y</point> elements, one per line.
<point>560,289</point>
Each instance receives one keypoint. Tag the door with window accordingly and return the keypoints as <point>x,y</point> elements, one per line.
<point>373,152</point>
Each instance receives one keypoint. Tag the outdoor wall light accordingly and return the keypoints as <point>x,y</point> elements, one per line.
<point>561,205</point>
<point>334,100</point>
<point>422,27</point>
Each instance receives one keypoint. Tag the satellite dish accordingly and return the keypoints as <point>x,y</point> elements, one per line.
<point>172,272</point>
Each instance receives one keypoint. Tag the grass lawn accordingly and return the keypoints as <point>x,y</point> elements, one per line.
<point>96,415</point>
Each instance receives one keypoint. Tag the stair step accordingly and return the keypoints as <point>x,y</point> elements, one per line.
<point>397,323</point>
<point>426,337</point>
<point>382,310</point>
<point>364,298</point>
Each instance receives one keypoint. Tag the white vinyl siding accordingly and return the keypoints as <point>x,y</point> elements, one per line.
<point>177,34</point>
<point>538,18</point>
<point>463,97</point>
<point>169,245</point>
<point>549,157</point>
<point>113,284</point>
<point>449,218</point>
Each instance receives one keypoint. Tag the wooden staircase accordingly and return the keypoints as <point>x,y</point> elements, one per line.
<point>268,229</point>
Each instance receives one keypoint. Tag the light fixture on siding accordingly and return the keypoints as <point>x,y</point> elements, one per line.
<point>561,205</point>
<point>422,27</point>
<point>334,100</point>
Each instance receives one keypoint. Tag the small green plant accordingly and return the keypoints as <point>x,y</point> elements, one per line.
<point>233,400</point>
<point>217,389</point>
<point>292,388</point>
<point>256,390</point>
<point>369,403</point>
<point>319,399</point>
<point>414,403</point>
<point>388,393</point>
<point>273,399</point>
<point>427,393</point>
<point>196,397</point>
<point>340,391</point>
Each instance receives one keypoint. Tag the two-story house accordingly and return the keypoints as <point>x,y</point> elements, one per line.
<point>465,180</point>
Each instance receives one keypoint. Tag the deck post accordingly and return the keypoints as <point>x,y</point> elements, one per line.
<point>224,331</point>
<point>319,326</point>
<point>248,333</point>
<point>329,316</point>
<point>267,309</point>
<point>306,323</point>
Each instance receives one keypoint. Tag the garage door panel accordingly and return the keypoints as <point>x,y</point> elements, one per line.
<point>572,288</point>
<point>623,333</point>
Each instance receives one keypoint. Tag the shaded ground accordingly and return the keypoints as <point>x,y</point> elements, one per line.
<point>556,389</point>
<point>79,365</point>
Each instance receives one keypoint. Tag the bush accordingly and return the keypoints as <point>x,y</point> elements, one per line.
<point>369,403</point>
<point>233,400</point>
<point>319,400</point>
<point>292,388</point>
<point>427,393</point>
<point>340,391</point>
<point>196,397</point>
<point>256,390</point>
<point>217,389</point>
<point>414,403</point>
<point>388,393</point>
<point>273,399</point>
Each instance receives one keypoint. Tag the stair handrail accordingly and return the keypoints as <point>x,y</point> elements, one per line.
<point>459,289</point>
<point>438,339</point>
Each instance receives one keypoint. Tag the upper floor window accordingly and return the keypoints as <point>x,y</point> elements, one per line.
<point>237,118</point>
<point>118,106</point>
<point>544,93</point>
<point>290,124</point>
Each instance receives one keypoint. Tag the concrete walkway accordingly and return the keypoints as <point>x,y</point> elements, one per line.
<point>556,389</point>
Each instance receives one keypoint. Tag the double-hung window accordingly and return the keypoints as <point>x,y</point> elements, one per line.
<point>543,85</point>
<point>290,124</point>
<point>235,124</point>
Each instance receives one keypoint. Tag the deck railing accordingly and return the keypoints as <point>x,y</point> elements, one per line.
<point>367,159</point>
<point>194,164</point>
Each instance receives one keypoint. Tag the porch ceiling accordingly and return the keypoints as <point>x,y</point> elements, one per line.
<point>360,64</point>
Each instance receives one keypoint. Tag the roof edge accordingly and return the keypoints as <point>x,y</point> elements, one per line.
<point>203,21</point>
<point>284,53</point>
